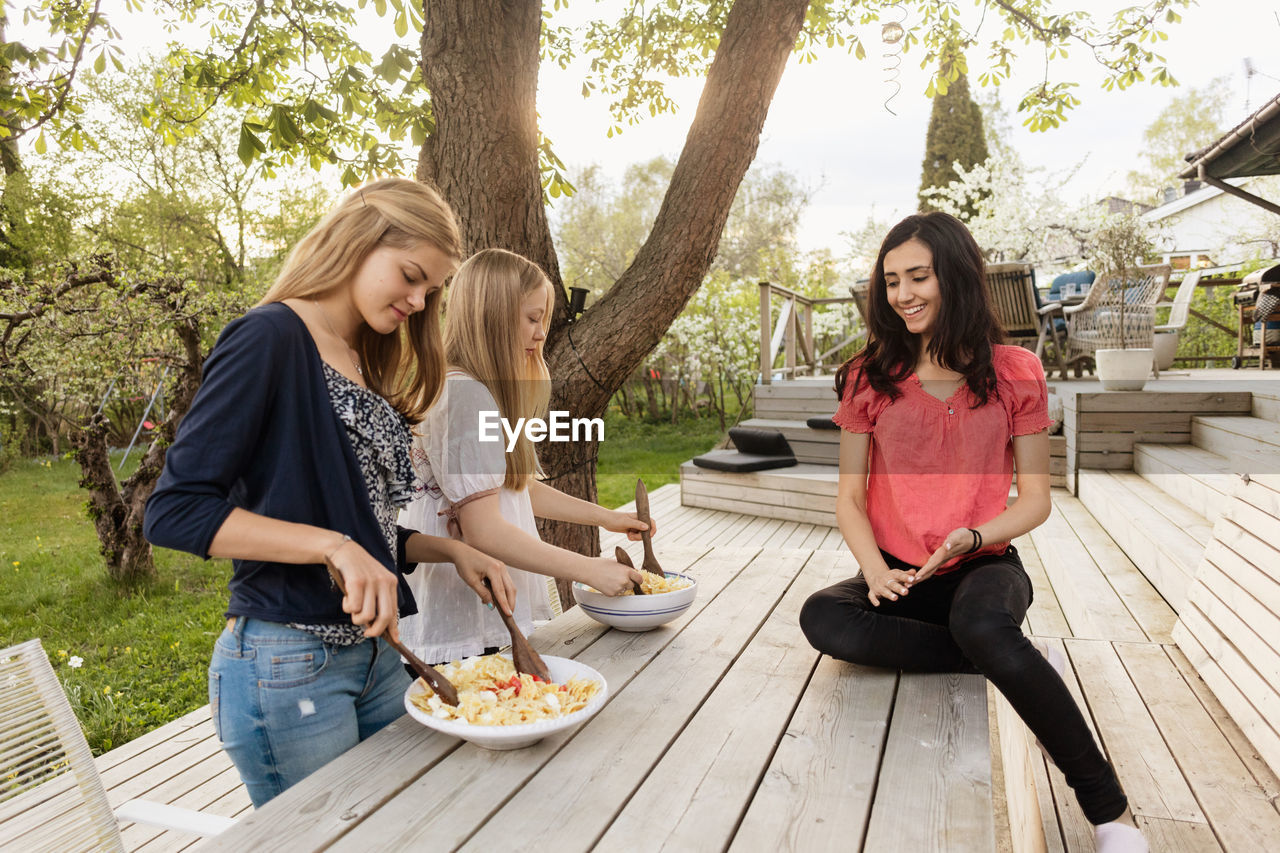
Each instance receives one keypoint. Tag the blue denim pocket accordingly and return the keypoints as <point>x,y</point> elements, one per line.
<point>291,666</point>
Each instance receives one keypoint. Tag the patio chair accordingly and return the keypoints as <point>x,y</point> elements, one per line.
<point>1095,323</point>
<point>51,797</point>
<point>1181,307</point>
<point>1017,305</point>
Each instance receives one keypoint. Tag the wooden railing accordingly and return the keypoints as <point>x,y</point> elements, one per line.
<point>792,334</point>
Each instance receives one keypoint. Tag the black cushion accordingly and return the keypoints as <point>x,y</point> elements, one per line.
<point>821,422</point>
<point>760,442</point>
<point>741,463</point>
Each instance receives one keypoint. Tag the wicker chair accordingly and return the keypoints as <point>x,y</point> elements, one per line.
<point>1025,320</point>
<point>1095,323</point>
<point>51,797</point>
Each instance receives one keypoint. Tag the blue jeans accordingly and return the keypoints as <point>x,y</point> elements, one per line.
<point>284,703</point>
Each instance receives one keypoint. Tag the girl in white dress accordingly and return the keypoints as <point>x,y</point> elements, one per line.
<point>498,313</point>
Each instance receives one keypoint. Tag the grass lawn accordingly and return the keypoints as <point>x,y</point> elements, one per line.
<point>145,656</point>
<point>652,452</point>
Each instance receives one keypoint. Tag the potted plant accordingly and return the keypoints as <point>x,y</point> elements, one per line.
<point>1119,244</point>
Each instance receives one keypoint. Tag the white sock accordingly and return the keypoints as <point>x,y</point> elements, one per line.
<point>1116,837</point>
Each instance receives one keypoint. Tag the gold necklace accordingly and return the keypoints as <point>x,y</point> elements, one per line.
<point>351,353</point>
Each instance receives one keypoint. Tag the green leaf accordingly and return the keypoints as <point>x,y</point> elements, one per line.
<point>100,64</point>
<point>41,145</point>
<point>402,24</point>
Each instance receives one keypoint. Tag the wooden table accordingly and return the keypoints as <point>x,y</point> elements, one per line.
<point>724,730</point>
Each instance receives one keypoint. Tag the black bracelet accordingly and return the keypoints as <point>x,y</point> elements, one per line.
<point>977,540</point>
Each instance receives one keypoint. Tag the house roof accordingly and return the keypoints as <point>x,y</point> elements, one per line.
<point>1250,148</point>
<point>1191,199</point>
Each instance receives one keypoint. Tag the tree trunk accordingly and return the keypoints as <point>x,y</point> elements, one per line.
<point>480,62</point>
<point>117,509</point>
<point>127,553</point>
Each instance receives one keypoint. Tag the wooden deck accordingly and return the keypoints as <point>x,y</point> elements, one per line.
<point>1194,781</point>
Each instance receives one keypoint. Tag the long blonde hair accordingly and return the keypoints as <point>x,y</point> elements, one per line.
<point>482,338</point>
<point>407,366</point>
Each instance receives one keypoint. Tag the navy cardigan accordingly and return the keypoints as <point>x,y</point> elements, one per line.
<point>262,435</point>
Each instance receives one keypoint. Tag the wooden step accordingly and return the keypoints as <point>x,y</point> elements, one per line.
<point>1266,405</point>
<point>1226,434</point>
<point>1198,478</point>
<point>1164,538</point>
<point>803,493</point>
<point>818,446</point>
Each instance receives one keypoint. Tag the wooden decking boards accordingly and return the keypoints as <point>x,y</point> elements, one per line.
<point>1195,781</point>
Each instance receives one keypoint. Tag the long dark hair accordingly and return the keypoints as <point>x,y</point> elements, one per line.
<point>966,328</point>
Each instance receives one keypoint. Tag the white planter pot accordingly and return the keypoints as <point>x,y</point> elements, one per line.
<point>1124,369</point>
<point>1166,349</point>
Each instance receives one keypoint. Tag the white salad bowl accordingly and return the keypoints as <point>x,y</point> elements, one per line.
<point>523,734</point>
<point>636,612</point>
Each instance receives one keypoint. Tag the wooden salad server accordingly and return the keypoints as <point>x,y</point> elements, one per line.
<point>650,563</point>
<point>522,654</point>
<point>623,557</point>
<point>437,682</point>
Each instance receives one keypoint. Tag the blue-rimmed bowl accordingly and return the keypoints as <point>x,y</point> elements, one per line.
<point>636,612</point>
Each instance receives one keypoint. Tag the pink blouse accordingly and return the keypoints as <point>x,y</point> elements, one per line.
<point>941,464</point>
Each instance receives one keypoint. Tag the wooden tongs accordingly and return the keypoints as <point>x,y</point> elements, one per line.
<point>522,654</point>
<point>650,563</point>
<point>437,682</point>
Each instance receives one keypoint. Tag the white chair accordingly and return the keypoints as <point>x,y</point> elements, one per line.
<point>1181,306</point>
<point>51,797</point>
<point>1130,294</point>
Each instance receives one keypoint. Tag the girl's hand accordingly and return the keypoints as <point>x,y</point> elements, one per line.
<point>474,567</point>
<point>611,577</point>
<point>371,590</point>
<point>884,582</point>
<point>630,524</point>
<point>958,542</point>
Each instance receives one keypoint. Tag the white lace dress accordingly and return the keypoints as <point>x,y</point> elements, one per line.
<point>455,465</point>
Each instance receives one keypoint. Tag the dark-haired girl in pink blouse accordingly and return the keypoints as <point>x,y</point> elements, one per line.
<point>935,413</point>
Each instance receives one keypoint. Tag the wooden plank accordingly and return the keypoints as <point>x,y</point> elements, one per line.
<point>343,794</point>
<point>1090,604</point>
<point>1253,595</point>
<point>1045,616</point>
<point>1033,823</point>
<point>1123,442</point>
<point>937,765</point>
<point>1246,625</point>
<point>797,537</point>
<point>1192,523</point>
<point>1263,776</point>
<point>763,496</point>
<point>1147,770</point>
<point>703,784</point>
<point>1177,836</point>
<point>1162,552</point>
<point>1148,608</point>
<point>1136,421</point>
<point>1163,401</point>
<point>1077,832</point>
<point>833,541</point>
<point>211,797</point>
<point>1238,809</point>
<point>817,537</point>
<point>1106,461</point>
<point>818,789</point>
<point>648,701</point>
<point>1260,555</point>
<point>776,513</point>
<point>808,478</point>
<point>1212,659</point>
<point>179,730</point>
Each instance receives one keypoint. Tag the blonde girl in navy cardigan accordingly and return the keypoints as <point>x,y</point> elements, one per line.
<point>294,453</point>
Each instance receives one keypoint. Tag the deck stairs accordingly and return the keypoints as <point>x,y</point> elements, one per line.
<point>806,492</point>
<point>1163,512</point>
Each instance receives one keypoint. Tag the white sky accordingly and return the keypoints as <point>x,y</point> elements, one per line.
<point>828,124</point>
<point>829,127</point>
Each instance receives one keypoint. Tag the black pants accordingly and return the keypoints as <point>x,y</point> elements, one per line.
<point>968,620</point>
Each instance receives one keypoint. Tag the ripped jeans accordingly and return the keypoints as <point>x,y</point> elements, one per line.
<point>284,703</point>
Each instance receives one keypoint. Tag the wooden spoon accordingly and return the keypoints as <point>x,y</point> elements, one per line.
<point>522,654</point>
<point>437,682</point>
<point>623,557</point>
<point>650,563</point>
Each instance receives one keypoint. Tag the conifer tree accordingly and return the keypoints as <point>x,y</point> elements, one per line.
<point>955,135</point>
